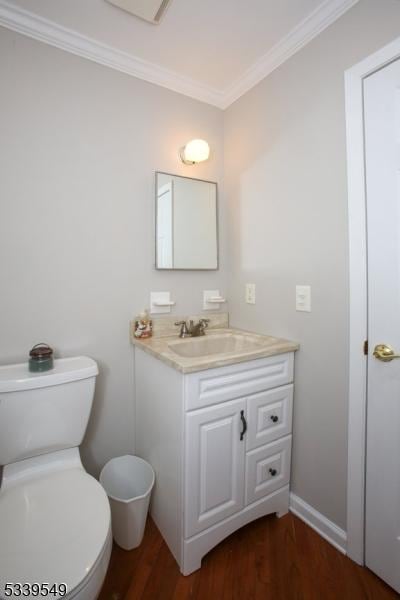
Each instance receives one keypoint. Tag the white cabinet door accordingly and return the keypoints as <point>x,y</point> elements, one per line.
<point>214,468</point>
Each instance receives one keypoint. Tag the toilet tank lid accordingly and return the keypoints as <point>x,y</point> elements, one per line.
<point>15,378</point>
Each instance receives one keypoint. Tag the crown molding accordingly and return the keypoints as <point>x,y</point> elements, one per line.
<point>27,23</point>
<point>323,16</point>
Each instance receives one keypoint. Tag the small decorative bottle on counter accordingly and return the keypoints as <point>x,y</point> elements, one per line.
<point>143,325</point>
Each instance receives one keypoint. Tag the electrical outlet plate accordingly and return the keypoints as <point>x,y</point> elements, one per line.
<point>303,298</point>
<point>250,293</point>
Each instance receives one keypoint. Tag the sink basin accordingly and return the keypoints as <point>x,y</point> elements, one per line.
<point>215,344</point>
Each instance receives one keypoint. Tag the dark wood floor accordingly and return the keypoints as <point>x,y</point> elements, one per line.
<point>269,559</point>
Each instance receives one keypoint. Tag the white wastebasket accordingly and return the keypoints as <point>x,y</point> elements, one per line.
<point>128,481</point>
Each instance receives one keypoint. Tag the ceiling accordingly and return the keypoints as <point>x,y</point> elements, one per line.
<point>213,50</point>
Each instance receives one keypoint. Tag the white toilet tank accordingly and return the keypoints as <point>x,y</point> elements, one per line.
<point>44,412</point>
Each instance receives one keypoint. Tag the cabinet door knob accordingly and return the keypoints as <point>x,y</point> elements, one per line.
<point>274,418</point>
<point>244,423</point>
<point>273,472</point>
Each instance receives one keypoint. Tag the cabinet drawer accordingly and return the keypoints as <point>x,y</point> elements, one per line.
<point>234,381</point>
<point>269,416</point>
<point>267,469</point>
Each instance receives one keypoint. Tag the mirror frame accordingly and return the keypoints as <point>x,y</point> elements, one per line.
<point>156,213</point>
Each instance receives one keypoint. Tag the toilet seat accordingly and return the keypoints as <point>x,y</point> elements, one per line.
<point>54,528</point>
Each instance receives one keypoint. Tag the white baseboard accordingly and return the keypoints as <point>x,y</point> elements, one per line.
<point>326,528</point>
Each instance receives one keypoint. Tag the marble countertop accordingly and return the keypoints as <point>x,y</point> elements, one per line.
<point>262,346</point>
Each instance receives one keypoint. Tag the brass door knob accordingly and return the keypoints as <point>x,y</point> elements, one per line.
<point>385,353</point>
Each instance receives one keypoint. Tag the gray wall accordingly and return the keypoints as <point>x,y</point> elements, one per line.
<point>285,174</point>
<point>79,144</point>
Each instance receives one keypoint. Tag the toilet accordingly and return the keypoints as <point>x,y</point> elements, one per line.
<point>55,524</point>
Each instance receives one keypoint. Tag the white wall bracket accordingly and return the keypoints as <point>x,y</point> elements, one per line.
<point>212,300</point>
<point>160,302</point>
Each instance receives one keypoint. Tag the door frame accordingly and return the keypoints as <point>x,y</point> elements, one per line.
<point>354,81</point>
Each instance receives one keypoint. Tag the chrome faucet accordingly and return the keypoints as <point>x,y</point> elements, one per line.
<point>192,330</point>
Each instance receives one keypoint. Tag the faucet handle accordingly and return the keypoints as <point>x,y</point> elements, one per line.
<point>184,332</point>
<point>204,322</point>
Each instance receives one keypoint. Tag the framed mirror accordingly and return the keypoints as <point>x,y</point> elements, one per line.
<point>186,223</point>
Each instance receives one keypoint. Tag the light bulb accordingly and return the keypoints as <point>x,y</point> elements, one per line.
<point>195,151</point>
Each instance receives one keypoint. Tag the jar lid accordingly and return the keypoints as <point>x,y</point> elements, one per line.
<point>41,351</point>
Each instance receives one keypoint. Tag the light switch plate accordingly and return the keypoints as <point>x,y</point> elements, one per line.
<point>303,298</point>
<point>250,293</point>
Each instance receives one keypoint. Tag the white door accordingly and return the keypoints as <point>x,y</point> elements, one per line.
<point>382,143</point>
<point>214,470</point>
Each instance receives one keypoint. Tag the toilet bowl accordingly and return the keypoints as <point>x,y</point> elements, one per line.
<point>55,520</point>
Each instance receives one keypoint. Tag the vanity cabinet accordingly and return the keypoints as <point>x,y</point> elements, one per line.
<point>219,441</point>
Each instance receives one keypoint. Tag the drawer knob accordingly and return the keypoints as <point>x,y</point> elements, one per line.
<point>274,418</point>
<point>273,472</point>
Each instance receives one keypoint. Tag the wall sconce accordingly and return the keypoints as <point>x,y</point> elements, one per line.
<point>194,152</point>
